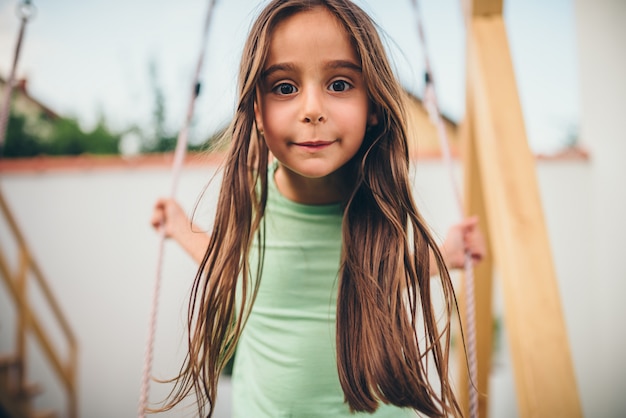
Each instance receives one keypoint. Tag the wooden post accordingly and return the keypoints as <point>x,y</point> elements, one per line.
<point>544,375</point>
<point>482,7</point>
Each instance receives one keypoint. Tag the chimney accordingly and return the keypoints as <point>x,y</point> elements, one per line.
<point>21,85</point>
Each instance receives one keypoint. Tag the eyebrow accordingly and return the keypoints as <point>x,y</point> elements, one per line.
<point>332,65</point>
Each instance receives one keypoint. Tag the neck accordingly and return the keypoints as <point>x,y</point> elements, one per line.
<point>313,191</point>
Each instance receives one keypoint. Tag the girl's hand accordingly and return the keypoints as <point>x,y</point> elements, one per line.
<point>461,238</point>
<point>169,216</point>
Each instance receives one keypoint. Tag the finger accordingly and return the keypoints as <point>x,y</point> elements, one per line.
<point>477,251</point>
<point>470,220</point>
<point>477,256</point>
<point>468,224</point>
<point>161,202</point>
<point>157,218</point>
<point>158,213</point>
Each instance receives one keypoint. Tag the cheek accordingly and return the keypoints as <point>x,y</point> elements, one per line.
<point>273,117</point>
<point>355,119</point>
<point>273,130</point>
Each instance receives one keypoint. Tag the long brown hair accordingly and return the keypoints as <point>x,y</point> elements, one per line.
<point>384,283</point>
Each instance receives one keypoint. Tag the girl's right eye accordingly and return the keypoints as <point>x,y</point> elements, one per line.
<point>284,89</point>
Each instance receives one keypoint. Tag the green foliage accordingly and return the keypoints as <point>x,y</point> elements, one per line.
<point>161,144</point>
<point>69,139</point>
<point>18,142</point>
<point>40,135</point>
<point>162,141</point>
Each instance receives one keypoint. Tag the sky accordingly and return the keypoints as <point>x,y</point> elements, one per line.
<point>88,59</point>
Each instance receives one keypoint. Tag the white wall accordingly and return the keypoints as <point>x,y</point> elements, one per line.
<point>90,232</point>
<point>601,36</point>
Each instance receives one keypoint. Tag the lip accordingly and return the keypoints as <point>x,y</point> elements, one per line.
<point>314,145</point>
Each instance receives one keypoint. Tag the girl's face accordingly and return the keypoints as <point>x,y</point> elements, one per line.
<point>313,106</point>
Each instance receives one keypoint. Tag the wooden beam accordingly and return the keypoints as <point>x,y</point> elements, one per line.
<point>27,319</point>
<point>483,7</point>
<point>544,375</point>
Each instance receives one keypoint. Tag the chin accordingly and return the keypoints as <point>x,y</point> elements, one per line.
<point>315,174</point>
<point>314,171</point>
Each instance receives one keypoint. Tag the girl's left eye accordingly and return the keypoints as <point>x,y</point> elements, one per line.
<point>340,85</point>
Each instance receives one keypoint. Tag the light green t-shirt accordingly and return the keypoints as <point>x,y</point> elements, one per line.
<point>286,360</point>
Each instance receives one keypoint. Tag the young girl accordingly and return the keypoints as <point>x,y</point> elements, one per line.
<point>318,266</point>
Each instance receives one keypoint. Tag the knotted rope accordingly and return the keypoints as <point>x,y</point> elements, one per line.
<point>179,156</point>
<point>432,107</point>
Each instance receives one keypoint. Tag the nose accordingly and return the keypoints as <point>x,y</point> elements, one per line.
<point>313,107</point>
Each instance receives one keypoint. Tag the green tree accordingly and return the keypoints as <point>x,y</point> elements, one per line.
<point>29,136</point>
<point>162,140</point>
<point>18,142</point>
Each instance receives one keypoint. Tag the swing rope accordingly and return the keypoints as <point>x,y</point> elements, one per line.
<point>179,156</point>
<point>25,11</point>
<point>432,107</point>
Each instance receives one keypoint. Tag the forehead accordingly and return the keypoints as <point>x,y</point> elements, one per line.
<point>312,33</point>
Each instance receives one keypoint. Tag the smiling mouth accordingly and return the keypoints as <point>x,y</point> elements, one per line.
<point>314,145</point>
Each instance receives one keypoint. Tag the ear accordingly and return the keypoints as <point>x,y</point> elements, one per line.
<point>258,116</point>
<point>372,119</point>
